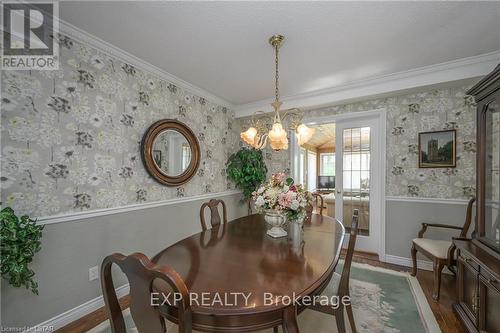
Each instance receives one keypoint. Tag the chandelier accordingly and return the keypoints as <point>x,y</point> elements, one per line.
<point>256,135</point>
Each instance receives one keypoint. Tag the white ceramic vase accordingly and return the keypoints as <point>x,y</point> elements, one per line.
<point>276,221</point>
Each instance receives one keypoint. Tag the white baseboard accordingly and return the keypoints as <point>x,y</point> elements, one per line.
<point>76,313</point>
<point>407,262</point>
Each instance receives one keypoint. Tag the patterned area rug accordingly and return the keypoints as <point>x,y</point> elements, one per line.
<point>384,301</point>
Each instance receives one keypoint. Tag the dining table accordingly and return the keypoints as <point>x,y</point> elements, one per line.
<point>242,280</point>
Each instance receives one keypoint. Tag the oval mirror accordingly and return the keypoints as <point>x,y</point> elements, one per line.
<point>170,152</point>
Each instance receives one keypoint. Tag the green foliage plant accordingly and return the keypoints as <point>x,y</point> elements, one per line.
<point>246,168</point>
<point>20,240</point>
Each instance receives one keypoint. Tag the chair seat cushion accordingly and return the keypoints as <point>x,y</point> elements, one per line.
<point>437,248</point>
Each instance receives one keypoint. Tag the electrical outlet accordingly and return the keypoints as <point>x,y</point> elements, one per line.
<point>93,273</point>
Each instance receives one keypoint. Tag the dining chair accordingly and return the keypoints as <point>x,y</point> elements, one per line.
<point>318,197</point>
<point>141,273</point>
<point>310,208</point>
<point>215,219</point>
<point>441,252</point>
<point>342,289</point>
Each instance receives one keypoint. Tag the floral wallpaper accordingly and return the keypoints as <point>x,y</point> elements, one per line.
<point>407,115</point>
<point>71,137</point>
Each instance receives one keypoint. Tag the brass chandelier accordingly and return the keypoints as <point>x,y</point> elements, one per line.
<point>256,135</point>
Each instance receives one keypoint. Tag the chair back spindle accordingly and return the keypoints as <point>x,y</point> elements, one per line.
<point>346,271</point>
<point>343,288</point>
<point>468,218</point>
<point>310,208</point>
<point>318,197</point>
<point>215,218</point>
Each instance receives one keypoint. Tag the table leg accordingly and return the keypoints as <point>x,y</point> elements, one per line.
<point>290,320</point>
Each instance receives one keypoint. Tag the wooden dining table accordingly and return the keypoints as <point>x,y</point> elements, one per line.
<point>259,276</point>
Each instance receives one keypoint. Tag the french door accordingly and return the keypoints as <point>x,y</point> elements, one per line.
<point>357,182</point>
<point>311,171</point>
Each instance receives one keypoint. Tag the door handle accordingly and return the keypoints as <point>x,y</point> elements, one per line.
<point>339,192</point>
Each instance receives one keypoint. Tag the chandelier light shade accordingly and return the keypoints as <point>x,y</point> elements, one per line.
<point>304,134</point>
<point>249,136</point>
<point>278,138</point>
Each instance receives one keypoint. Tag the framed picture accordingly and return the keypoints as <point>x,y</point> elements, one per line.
<point>157,157</point>
<point>437,149</point>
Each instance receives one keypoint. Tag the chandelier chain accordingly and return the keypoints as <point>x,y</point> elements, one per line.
<point>277,76</point>
<point>256,135</point>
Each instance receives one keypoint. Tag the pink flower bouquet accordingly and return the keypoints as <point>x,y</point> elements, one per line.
<point>281,195</point>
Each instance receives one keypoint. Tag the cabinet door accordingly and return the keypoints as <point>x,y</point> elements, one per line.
<point>489,319</point>
<point>489,171</point>
<point>468,288</point>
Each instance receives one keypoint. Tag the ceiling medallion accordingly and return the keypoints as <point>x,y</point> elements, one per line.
<point>256,135</point>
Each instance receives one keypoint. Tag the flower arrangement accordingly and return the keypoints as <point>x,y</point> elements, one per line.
<point>283,196</point>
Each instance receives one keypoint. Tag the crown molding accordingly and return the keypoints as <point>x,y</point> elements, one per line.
<point>116,52</point>
<point>454,70</point>
<point>449,71</point>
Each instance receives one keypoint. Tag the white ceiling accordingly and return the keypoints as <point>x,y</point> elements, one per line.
<point>222,47</point>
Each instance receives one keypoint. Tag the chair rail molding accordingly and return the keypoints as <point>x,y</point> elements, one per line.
<point>79,216</point>
<point>428,200</point>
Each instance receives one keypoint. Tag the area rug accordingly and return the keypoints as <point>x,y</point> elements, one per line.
<point>384,301</point>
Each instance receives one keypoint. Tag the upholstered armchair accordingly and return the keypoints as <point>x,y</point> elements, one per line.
<point>441,252</point>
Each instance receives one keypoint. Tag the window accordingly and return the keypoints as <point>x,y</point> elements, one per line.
<point>186,156</point>
<point>327,164</point>
<point>302,167</point>
<point>311,171</point>
<point>356,178</point>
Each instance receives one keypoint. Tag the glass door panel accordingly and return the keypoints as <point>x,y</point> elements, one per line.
<point>492,175</point>
<point>360,178</point>
<point>356,177</point>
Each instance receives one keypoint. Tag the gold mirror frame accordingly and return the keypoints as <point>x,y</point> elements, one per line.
<point>147,152</point>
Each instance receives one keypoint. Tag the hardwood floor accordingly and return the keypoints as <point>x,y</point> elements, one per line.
<point>91,320</point>
<point>442,310</point>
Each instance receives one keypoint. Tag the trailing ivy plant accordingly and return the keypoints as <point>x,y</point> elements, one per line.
<point>20,240</point>
<point>246,168</point>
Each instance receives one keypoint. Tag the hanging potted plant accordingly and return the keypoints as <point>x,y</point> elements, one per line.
<point>246,168</point>
<point>20,240</point>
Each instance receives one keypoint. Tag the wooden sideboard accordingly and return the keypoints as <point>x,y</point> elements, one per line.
<point>478,259</point>
<point>478,287</point>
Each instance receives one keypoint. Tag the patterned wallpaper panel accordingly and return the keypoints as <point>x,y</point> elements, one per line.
<point>407,115</point>
<point>71,137</point>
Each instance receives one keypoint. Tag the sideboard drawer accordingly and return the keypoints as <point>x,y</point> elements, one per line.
<point>490,280</point>
<point>469,261</point>
<point>468,284</point>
